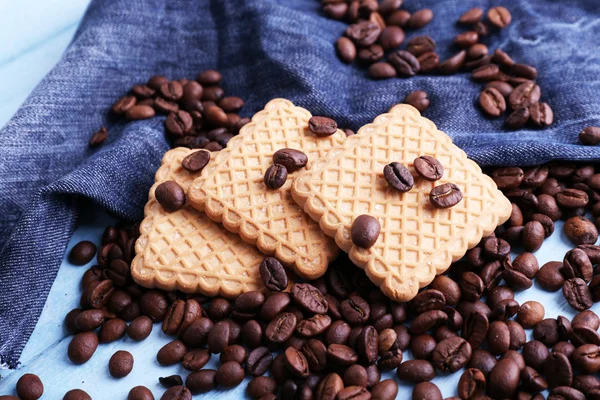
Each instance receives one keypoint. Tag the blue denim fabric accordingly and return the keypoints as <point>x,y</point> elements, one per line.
<point>265,49</point>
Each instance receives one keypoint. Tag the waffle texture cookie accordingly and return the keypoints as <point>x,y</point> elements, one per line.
<point>234,192</point>
<point>417,240</point>
<point>186,250</point>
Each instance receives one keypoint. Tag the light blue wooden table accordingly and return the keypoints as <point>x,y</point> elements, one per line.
<point>35,34</point>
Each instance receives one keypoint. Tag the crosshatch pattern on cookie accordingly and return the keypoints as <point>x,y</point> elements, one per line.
<point>234,192</point>
<point>417,240</point>
<point>186,250</point>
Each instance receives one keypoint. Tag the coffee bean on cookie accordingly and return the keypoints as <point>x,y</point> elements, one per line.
<point>196,161</point>
<point>428,168</point>
<point>273,274</point>
<point>398,177</point>
<point>275,176</point>
<point>365,231</point>
<point>322,126</point>
<point>291,159</point>
<point>170,195</point>
<point>445,196</point>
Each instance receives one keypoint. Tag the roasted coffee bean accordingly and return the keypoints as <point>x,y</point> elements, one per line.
<point>139,112</point>
<point>418,99</point>
<point>296,363</point>
<point>426,300</point>
<point>577,293</point>
<point>426,390</point>
<point>472,384</point>
<point>504,379</point>
<point>428,320</point>
<point>580,230</point>
<point>422,346</point>
<point>547,332</point>
<point>291,159</point>
<point>346,49</point>
<point>316,354</point>
<point>498,294</point>
<point>387,339</point>
<point>477,51</point>
<point>164,106</point>
<point>252,333</point>
<point>196,161</point>
<point>525,95</point>
<point>275,176</point>
<point>398,177</point>
<point>482,360</point>
<point>112,330</point>
<point>140,328</point>
<point>565,392</point>
<point>391,37</point>
<point>229,374</point>
<point>120,364</point>
<point>428,168</point>
<point>341,355</point>
<point>82,253</point>
<point>471,16</point>
<point>420,45</point>
<point>590,136</point>
<point>486,73</point>
<point>170,381</point>
<point>492,102</point>
<point>219,308</point>
<point>451,354</point>
<point>533,236</point>
<point>201,381</point>
<point>171,353</point>
<point>445,196</point>
<point>309,298</point>
<point>353,392</point>
<point>549,276</point>
<point>453,64</point>
<point>313,326</point>
<point>274,304</point>
<point>505,90</point>
<point>419,19</point>
<point>194,360</point>
<point>577,264</point>
<point>170,195</point>
<point>449,289</point>
<point>281,328</point>
<point>234,352</point>
<point>365,230</point>
<point>416,371</point>
<point>405,63</point>
<point>98,296</point>
<point>546,223</point>
<point>179,123</point>
<point>249,301</point>
<point>356,375</point>
<point>368,345</point>
<point>471,286</point>
<point>496,248</point>
<point>82,347</point>
<point>508,177</point>
<point>541,114</point>
<point>124,104</point>
<point>587,358</point>
<point>89,320</point>
<point>499,16</point>
<point>329,387</point>
<point>364,33</point>
<point>428,62</point>
<point>29,387</point>
<point>322,126</point>
<point>381,70</point>
<point>338,332</point>
<point>355,310</point>
<point>475,329</point>
<point>505,309</point>
<point>530,314</point>
<point>371,54</point>
<point>532,380</point>
<point>535,354</point>
<point>466,39</point>
<point>74,394</point>
<point>258,361</point>
<point>565,348</point>
<point>557,369</point>
<point>261,386</point>
<point>498,337</point>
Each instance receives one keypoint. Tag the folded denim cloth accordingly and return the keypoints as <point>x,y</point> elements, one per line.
<point>265,49</point>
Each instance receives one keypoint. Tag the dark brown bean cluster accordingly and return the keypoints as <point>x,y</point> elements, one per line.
<point>199,115</point>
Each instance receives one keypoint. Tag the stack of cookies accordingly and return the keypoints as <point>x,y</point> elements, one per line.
<point>398,197</point>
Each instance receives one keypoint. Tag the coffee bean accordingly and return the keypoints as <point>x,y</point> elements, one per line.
<point>416,371</point>
<point>346,49</point>
<point>475,328</point>
<point>398,177</point>
<point>524,95</point>
<point>171,353</point>
<point>196,161</point>
<point>229,374</point>
<point>313,326</point>
<point>557,369</point>
<point>170,381</point>
<point>275,176</point>
<point>508,177</point>
<point>296,363</point>
<point>530,314</point>
<point>29,387</point>
<point>422,346</point>
<point>535,354</point>
<point>577,293</point>
<point>565,392</point>
<point>482,360</point>
<point>98,138</point>
<point>124,104</point>
<point>120,364</point>
<point>177,393</point>
<point>587,358</point>
<point>429,62</point>
<point>281,328</point>
<point>418,99</point>
<point>426,300</point>
<point>309,298</point>
<point>499,16</point>
<point>322,126</point>
<point>428,168</point>
<point>201,381</point>
<point>405,63</point>
<point>486,73</point>
<point>112,330</point>
<point>209,77</point>
<point>466,39</point>
<point>89,320</point>
<point>498,337</point>
<point>419,19</point>
<point>140,328</point>
<point>381,70</point>
<point>138,112</point>
<point>170,195</point>
<point>471,286</point>
<point>82,347</point>
<point>549,276</point>
<point>291,159</point>
<point>577,264</point>
<point>471,16</point>
<point>502,59</point>
<point>453,64</point>
<point>532,380</point>
<point>590,136</point>
<point>258,361</point>
<point>533,236</point>
<point>74,394</point>
<point>364,33</point>
<point>547,332</point>
<point>365,230</point>
<point>505,90</point>
<point>580,230</point>
<point>449,289</point>
<point>496,248</point>
<point>492,102</point>
<point>477,51</point>
<point>541,114</point>
<point>504,379</point>
<point>420,45</point>
<point>355,310</point>
<point>391,37</point>
<point>426,390</point>
<point>261,386</point>
<point>445,196</point>
<point>451,354</point>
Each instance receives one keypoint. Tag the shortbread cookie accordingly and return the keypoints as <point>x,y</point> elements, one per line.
<point>417,240</point>
<point>186,250</point>
<point>234,192</point>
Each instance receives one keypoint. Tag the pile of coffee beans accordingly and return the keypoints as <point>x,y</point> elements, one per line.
<point>199,115</point>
